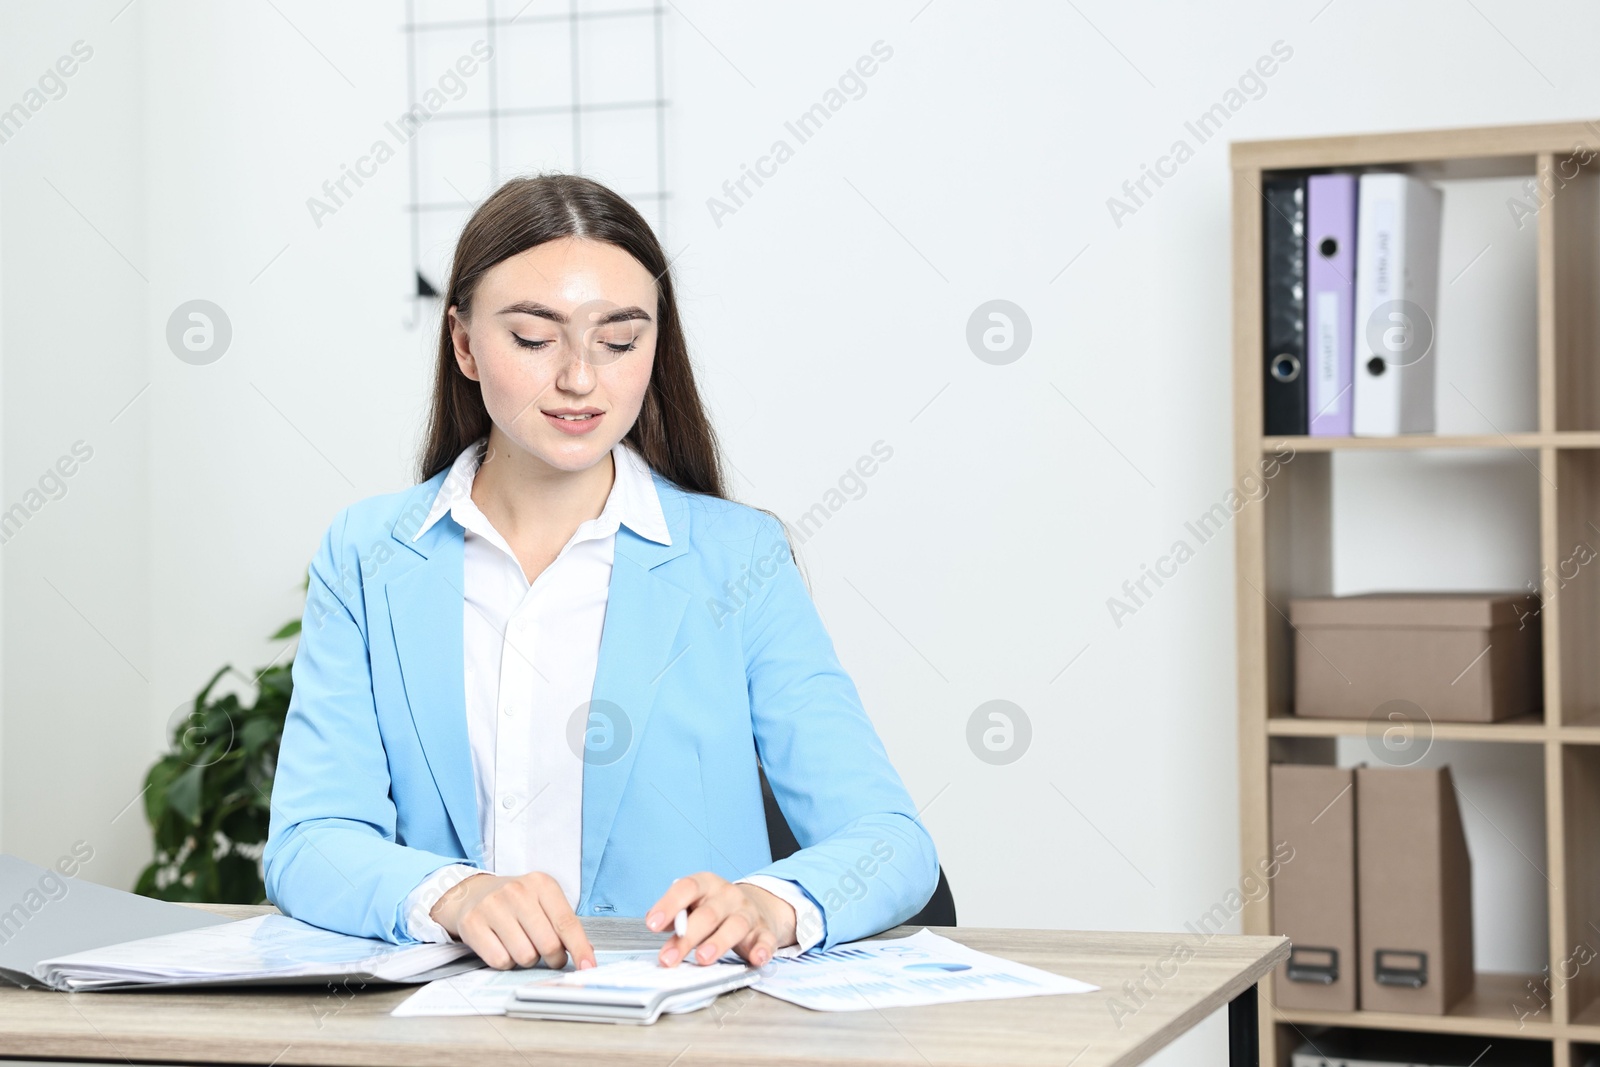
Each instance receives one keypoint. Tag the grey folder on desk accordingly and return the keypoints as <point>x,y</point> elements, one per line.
<point>79,937</point>
<point>44,914</point>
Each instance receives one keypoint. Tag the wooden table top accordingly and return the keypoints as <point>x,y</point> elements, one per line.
<point>321,1025</point>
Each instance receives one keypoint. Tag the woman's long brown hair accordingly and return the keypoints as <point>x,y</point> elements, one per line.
<point>672,432</point>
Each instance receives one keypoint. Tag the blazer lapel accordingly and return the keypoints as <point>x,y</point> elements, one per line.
<point>425,605</point>
<point>643,614</point>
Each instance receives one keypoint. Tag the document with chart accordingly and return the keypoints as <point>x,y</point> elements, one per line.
<point>921,969</point>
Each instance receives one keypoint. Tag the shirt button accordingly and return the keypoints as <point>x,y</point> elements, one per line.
<point>507,709</point>
<point>507,801</point>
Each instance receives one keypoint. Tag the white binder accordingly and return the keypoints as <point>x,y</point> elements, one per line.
<point>1397,301</point>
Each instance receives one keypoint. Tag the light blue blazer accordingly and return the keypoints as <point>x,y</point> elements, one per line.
<point>712,653</point>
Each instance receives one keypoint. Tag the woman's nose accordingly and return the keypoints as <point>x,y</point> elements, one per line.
<point>576,375</point>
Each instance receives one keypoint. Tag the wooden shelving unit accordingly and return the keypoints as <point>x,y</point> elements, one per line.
<point>1284,549</point>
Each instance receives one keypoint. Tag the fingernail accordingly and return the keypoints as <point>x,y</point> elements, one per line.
<point>668,958</point>
<point>653,920</point>
<point>584,965</point>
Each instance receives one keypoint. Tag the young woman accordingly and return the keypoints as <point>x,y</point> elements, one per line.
<point>535,687</point>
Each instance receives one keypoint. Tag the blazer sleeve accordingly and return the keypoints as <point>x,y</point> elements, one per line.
<point>331,856</point>
<point>865,857</point>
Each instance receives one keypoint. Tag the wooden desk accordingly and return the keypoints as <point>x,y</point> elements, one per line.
<point>321,1025</point>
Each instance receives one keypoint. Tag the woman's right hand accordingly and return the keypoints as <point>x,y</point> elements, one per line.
<point>514,921</point>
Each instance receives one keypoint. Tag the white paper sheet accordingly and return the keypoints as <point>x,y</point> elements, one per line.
<point>921,969</point>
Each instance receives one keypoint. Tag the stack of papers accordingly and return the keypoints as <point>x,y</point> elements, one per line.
<point>908,971</point>
<point>265,949</point>
<point>627,991</point>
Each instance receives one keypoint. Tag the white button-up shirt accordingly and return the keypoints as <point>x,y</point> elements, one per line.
<point>530,651</point>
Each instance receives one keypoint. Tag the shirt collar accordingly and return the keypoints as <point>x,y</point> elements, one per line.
<point>633,501</point>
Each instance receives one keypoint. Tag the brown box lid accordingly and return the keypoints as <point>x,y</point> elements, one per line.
<point>1465,611</point>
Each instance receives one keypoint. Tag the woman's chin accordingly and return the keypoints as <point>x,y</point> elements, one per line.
<point>571,454</point>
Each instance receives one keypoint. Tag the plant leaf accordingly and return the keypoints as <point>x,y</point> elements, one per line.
<point>257,734</point>
<point>184,793</point>
<point>158,784</point>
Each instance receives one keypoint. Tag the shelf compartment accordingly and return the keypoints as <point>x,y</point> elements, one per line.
<point>1483,347</point>
<point>1359,522</point>
<point>1569,584</point>
<point>1485,1011</point>
<point>1569,278</point>
<point>1296,524</point>
<point>1351,1044</point>
<point>1578,971</point>
<point>1343,1044</point>
<point>1435,520</point>
<point>1502,796</point>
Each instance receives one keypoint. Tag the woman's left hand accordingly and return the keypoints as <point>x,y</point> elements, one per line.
<point>722,916</point>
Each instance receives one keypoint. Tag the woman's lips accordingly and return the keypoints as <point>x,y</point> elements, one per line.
<point>574,427</point>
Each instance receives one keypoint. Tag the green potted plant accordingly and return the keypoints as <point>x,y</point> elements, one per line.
<point>208,799</point>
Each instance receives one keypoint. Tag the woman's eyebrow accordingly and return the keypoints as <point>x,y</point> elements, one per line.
<point>545,311</point>
<point>624,315</point>
<point>533,307</point>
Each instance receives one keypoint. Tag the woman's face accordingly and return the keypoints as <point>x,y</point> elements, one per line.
<point>566,328</point>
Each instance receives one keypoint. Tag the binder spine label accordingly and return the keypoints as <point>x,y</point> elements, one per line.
<point>1327,355</point>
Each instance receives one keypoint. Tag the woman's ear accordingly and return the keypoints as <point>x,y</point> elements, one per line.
<point>462,343</point>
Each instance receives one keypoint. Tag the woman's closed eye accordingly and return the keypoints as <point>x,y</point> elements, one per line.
<point>615,338</point>
<point>539,346</point>
<point>526,343</point>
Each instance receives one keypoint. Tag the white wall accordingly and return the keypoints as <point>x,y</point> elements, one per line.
<point>827,313</point>
<point>80,683</point>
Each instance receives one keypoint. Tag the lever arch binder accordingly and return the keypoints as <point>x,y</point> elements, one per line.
<point>1397,297</point>
<point>1283,223</point>
<point>1330,302</point>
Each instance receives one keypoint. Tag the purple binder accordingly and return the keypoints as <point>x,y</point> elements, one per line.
<point>1330,301</point>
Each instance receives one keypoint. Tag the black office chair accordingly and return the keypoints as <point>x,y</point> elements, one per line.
<point>940,910</point>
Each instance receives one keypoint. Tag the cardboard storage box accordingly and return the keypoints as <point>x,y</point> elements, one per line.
<point>1459,657</point>
<point>1314,894</point>
<point>1414,881</point>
